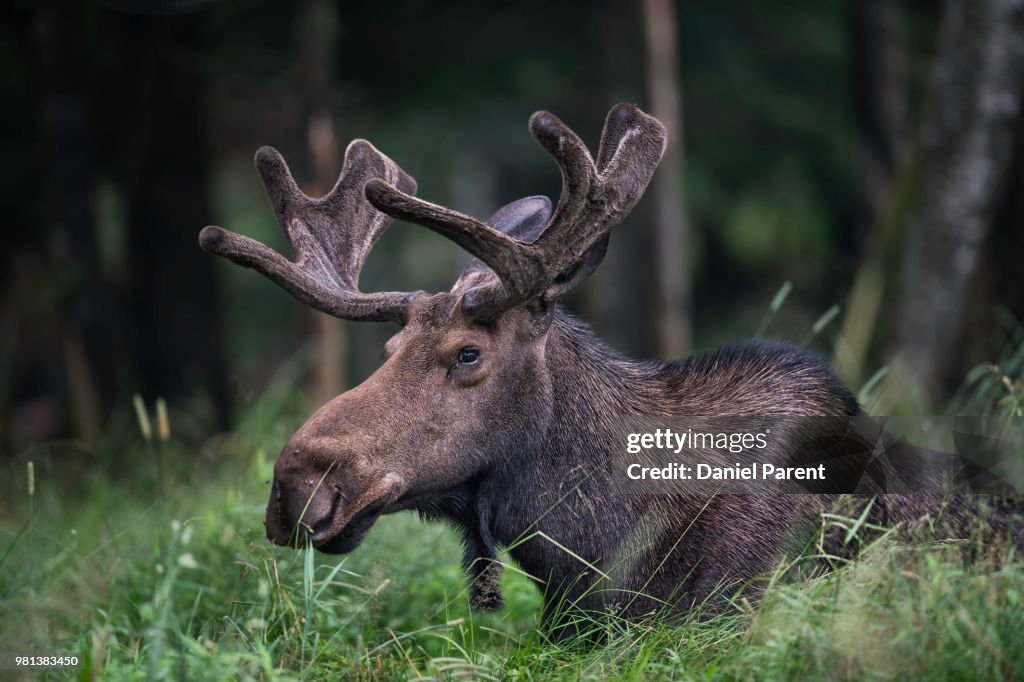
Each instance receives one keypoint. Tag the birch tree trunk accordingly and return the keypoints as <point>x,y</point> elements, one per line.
<point>966,145</point>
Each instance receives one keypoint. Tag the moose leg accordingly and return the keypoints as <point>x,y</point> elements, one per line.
<point>480,561</point>
<point>461,509</point>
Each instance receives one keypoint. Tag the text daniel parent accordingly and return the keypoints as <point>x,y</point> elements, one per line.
<point>702,472</point>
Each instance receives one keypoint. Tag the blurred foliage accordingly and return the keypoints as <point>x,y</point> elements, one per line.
<point>445,89</point>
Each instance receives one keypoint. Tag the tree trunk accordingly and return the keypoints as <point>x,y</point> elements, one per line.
<point>622,296</point>
<point>879,87</point>
<point>966,143</point>
<point>879,82</point>
<point>671,227</point>
<point>316,38</point>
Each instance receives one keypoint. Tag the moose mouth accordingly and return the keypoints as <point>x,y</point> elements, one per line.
<point>324,534</point>
<point>337,530</point>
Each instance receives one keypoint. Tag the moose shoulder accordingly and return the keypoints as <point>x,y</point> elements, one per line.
<point>487,407</point>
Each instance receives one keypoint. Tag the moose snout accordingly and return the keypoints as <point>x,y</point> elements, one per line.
<point>300,510</point>
<point>326,491</point>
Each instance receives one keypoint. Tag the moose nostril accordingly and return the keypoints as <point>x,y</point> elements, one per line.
<point>320,528</point>
<point>299,512</point>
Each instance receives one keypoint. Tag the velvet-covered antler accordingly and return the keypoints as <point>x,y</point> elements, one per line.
<point>595,197</point>
<point>330,237</point>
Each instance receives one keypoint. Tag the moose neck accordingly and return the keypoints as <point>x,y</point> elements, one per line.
<point>592,381</point>
<point>557,486</point>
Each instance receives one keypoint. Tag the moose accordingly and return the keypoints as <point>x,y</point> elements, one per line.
<point>490,399</point>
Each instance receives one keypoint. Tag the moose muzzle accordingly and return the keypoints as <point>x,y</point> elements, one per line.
<point>329,502</point>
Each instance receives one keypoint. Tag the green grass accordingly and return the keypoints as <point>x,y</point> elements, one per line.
<point>167,574</point>
<point>187,588</point>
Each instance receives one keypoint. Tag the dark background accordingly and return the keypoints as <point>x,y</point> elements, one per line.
<point>867,153</point>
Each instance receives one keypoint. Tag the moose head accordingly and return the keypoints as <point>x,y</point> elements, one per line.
<point>465,381</point>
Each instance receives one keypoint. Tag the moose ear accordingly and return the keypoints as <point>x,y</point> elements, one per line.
<point>541,308</point>
<point>524,219</point>
<point>580,270</point>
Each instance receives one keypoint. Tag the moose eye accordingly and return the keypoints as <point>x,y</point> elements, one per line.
<point>469,355</point>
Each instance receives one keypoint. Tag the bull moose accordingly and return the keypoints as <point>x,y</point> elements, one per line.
<point>491,397</point>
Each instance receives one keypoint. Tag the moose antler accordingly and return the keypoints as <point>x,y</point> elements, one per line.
<point>330,237</point>
<point>595,198</point>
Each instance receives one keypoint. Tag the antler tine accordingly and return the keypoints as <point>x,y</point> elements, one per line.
<point>514,264</point>
<point>594,199</point>
<point>330,237</point>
